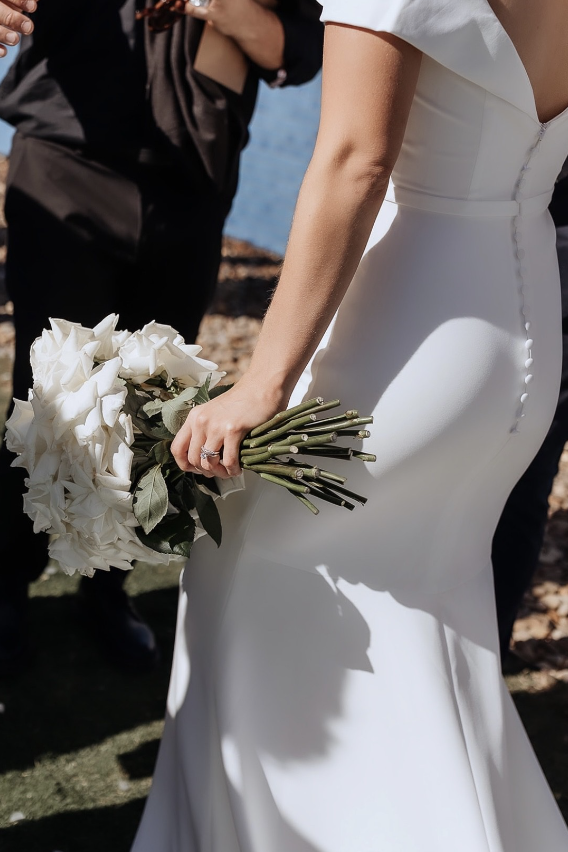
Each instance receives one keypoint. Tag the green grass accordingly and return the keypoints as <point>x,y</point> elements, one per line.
<point>78,740</point>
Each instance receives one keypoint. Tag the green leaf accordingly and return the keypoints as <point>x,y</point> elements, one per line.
<point>175,411</point>
<point>135,400</point>
<point>182,493</point>
<point>150,499</point>
<point>208,515</point>
<point>153,407</point>
<point>217,391</point>
<point>202,395</point>
<point>173,537</point>
<point>141,464</point>
<point>160,453</point>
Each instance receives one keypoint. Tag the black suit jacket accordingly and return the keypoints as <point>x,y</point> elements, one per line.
<point>92,77</point>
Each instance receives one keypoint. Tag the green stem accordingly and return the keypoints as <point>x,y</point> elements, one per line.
<point>366,457</point>
<point>277,469</point>
<point>284,416</point>
<point>307,503</point>
<point>329,495</point>
<point>291,486</point>
<point>258,459</point>
<point>328,452</point>
<point>341,424</point>
<point>339,418</point>
<point>339,490</point>
<point>332,477</point>
<point>318,440</point>
<point>280,449</point>
<point>277,433</point>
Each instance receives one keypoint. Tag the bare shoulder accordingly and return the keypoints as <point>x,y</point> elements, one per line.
<point>539,32</point>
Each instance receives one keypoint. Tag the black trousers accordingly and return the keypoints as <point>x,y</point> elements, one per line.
<point>88,236</point>
<point>519,534</point>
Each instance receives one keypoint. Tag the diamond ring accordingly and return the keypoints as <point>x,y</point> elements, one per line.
<point>207,454</point>
<point>200,3</point>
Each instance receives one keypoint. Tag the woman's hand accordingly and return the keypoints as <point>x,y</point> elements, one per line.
<point>221,425</point>
<point>13,22</point>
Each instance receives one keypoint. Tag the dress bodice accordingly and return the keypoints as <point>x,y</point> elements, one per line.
<point>473,126</point>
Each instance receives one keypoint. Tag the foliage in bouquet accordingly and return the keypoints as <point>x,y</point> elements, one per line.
<point>95,439</point>
<point>76,436</point>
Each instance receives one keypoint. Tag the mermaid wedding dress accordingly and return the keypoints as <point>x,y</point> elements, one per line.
<point>336,683</point>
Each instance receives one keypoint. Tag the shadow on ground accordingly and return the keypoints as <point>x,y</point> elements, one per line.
<point>545,717</point>
<point>71,698</point>
<point>544,713</point>
<point>111,829</point>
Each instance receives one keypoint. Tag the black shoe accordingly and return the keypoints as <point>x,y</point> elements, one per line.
<point>123,637</point>
<point>14,642</point>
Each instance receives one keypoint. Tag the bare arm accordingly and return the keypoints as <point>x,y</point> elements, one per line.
<point>13,21</point>
<point>255,28</point>
<point>369,82</point>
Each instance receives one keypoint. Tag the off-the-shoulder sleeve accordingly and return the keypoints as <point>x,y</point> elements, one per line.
<point>463,35</point>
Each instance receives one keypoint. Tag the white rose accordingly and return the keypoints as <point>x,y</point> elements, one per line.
<point>73,409</point>
<point>63,357</point>
<point>110,340</point>
<point>18,426</point>
<point>44,502</point>
<point>160,349</point>
<point>29,438</point>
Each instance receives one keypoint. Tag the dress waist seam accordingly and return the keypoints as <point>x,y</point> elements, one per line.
<point>468,207</point>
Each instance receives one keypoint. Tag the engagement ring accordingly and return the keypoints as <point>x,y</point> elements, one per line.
<point>200,3</point>
<point>208,454</point>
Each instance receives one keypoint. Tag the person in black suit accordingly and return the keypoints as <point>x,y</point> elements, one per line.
<point>122,172</point>
<point>519,534</point>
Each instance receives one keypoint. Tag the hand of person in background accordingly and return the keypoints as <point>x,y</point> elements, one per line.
<point>13,22</point>
<point>251,23</point>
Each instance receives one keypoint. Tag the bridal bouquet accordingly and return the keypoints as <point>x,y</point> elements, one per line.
<point>95,433</point>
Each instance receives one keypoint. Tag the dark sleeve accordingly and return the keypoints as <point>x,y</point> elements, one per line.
<point>303,43</point>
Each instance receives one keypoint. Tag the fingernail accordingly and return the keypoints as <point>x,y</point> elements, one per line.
<point>11,38</point>
<point>30,5</point>
<point>27,27</point>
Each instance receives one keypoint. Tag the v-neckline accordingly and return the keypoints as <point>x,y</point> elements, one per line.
<point>523,67</point>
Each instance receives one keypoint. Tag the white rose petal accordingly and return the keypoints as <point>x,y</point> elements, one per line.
<point>158,349</point>
<point>18,425</point>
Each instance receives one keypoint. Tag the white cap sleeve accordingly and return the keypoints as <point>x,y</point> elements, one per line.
<point>463,35</point>
<point>379,15</point>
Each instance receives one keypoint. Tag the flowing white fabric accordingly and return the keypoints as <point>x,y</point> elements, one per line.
<point>336,683</point>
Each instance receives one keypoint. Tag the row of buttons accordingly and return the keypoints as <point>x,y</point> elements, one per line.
<point>521,270</point>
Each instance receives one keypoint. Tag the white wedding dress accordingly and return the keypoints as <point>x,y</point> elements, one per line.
<point>336,683</point>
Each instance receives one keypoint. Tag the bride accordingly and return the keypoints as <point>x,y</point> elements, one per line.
<point>336,683</point>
